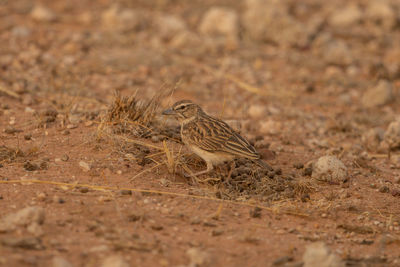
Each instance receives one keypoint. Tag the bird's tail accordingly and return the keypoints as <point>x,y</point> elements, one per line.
<point>263,164</point>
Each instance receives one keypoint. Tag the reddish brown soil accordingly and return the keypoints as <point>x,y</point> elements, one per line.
<point>73,66</point>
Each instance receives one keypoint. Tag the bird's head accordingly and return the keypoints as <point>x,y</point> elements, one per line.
<point>184,110</point>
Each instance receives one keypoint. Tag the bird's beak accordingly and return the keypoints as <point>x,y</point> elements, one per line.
<point>169,112</point>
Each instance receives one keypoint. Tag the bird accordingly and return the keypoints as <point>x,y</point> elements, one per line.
<point>210,138</point>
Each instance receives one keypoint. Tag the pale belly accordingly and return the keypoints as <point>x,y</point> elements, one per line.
<point>215,158</point>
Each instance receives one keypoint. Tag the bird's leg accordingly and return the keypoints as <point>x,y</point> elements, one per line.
<point>209,168</point>
<point>231,168</point>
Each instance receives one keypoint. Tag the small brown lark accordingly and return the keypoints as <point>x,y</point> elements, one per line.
<point>210,138</point>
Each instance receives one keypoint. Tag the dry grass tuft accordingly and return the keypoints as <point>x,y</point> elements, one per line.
<point>131,115</point>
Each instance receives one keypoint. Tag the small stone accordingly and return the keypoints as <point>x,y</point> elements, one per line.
<point>114,261</point>
<point>257,111</point>
<point>298,165</point>
<point>318,255</point>
<point>22,242</point>
<point>372,138</point>
<point>41,196</point>
<point>329,169</point>
<point>397,180</point>
<point>157,227</point>
<point>256,212</point>
<point>58,261</point>
<point>198,257</point>
<point>85,166</point>
<point>72,126</point>
<point>11,130</point>
<point>392,134</point>
<point>381,13</point>
<point>379,95</point>
<point>65,132</point>
<point>43,14</point>
<point>88,123</point>
<point>395,192</point>
<point>346,16</point>
<point>126,192</point>
<point>220,21</point>
<point>24,217</point>
<point>384,189</point>
<point>122,19</point>
<point>59,200</point>
<point>270,127</point>
<point>84,189</point>
<point>169,26</point>
<point>65,157</point>
<point>28,137</point>
<point>217,232</point>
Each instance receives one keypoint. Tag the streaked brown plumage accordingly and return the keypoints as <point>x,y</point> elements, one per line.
<point>208,137</point>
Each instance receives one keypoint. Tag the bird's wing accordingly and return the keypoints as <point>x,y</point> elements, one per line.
<point>211,134</point>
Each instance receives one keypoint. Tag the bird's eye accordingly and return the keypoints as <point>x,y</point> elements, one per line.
<point>180,108</point>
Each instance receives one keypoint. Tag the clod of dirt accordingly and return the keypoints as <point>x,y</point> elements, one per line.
<point>58,261</point>
<point>29,166</point>
<point>329,169</point>
<point>372,138</point>
<point>379,95</point>
<point>319,255</point>
<point>28,217</point>
<point>114,261</point>
<point>220,21</point>
<point>392,134</point>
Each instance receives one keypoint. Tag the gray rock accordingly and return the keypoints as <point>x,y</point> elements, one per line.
<point>319,255</point>
<point>346,16</point>
<point>372,138</point>
<point>43,14</point>
<point>379,95</point>
<point>114,261</point>
<point>219,21</point>
<point>21,31</point>
<point>169,26</point>
<point>337,52</point>
<point>392,134</point>
<point>29,217</point>
<point>329,169</point>
<point>60,262</point>
<point>270,21</point>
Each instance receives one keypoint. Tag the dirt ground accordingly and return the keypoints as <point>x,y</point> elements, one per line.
<point>302,79</point>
